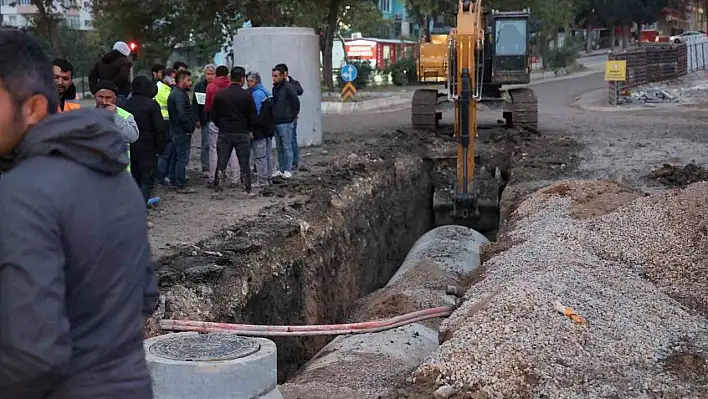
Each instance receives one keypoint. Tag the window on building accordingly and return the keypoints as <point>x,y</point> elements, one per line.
<point>385,5</point>
<point>88,23</point>
<point>12,20</point>
<point>73,22</point>
<point>24,2</point>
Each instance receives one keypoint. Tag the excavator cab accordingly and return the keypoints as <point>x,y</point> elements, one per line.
<point>508,59</point>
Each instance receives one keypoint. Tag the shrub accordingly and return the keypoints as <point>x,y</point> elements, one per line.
<point>403,72</point>
<point>564,57</point>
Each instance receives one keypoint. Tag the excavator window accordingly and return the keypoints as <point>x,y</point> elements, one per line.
<point>511,37</point>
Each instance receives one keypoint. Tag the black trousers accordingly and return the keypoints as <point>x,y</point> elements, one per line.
<point>224,146</point>
<point>144,169</point>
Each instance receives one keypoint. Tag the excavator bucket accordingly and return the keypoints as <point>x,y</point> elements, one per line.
<point>485,218</point>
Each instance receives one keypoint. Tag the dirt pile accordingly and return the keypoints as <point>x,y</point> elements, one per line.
<point>509,340</point>
<point>676,176</point>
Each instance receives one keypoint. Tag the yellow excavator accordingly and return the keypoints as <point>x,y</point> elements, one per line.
<point>485,51</point>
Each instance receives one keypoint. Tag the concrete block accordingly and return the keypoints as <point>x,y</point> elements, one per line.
<point>214,366</point>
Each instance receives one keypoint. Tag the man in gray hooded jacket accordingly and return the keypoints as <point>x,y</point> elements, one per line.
<point>76,277</point>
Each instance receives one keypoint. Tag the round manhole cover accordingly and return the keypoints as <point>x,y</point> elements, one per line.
<point>205,347</point>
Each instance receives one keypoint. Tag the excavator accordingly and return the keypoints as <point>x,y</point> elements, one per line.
<point>485,51</point>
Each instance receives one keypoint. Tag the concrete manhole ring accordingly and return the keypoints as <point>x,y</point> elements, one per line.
<point>205,347</point>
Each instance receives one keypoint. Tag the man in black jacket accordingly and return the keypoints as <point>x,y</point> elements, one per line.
<point>286,107</point>
<point>151,141</point>
<point>75,265</point>
<point>298,89</point>
<point>234,113</point>
<point>115,67</point>
<point>201,115</point>
<point>182,125</point>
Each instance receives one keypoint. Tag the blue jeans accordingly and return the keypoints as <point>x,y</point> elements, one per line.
<point>205,148</point>
<point>296,148</point>
<point>180,151</point>
<point>284,143</point>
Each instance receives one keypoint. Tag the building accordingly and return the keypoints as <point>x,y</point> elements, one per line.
<point>18,13</point>
<point>395,10</point>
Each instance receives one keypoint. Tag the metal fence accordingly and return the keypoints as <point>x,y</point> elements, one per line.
<point>698,55</point>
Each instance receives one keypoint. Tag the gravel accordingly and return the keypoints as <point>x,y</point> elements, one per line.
<point>619,271</point>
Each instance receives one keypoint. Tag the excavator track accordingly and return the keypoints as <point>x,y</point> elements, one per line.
<point>524,109</point>
<point>424,109</point>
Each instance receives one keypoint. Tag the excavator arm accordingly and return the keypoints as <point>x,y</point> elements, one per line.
<point>466,44</point>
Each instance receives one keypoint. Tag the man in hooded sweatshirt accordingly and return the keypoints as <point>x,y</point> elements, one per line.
<point>151,141</point>
<point>76,273</point>
<point>220,82</point>
<point>115,67</point>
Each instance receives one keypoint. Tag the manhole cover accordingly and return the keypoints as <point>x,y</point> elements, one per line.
<point>205,347</point>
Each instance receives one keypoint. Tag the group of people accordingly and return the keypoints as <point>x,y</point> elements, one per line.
<point>158,118</point>
<point>238,125</point>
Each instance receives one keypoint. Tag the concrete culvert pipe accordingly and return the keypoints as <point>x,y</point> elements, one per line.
<point>212,366</point>
<point>260,49</point>
<point>369,365</point>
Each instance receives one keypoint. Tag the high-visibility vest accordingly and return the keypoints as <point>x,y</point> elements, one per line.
<point>125,115</point>
<point>69,107</point>
<point>163,92</point>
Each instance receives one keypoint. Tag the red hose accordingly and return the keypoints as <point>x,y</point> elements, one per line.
<point>331,329</point>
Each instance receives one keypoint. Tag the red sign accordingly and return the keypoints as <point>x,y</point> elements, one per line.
<point>361,51</point>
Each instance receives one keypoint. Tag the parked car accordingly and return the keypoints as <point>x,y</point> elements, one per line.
<point>686,36</point>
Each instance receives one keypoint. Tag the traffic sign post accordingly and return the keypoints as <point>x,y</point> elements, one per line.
<point>348,73</point>
<point>348,91</point>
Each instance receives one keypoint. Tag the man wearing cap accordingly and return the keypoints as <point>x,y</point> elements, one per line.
<point>106,95</point>
<point>114,67</point>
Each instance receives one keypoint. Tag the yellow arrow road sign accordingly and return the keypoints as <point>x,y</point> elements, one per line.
<point>348,91</point>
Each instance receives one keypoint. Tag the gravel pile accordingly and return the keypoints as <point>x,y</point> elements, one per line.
<point>509,341</point>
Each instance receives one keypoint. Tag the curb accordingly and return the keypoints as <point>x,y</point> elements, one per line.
<point>368,106</point>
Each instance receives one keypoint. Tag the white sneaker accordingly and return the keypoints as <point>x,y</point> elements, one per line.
<point>277,173</point>
<point>287,175</point>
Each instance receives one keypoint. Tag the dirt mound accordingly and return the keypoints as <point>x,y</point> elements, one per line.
<point>676,176</point>
<point>508,340</point>
<point>594,198</point>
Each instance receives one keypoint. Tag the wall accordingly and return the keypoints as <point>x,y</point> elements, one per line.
<point>649,64</point>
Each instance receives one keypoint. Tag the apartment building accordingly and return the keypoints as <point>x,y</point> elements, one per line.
<point>18,13</point>
<point>395,10</point>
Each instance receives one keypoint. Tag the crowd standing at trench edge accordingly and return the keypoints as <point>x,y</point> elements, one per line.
<point>76,274</point>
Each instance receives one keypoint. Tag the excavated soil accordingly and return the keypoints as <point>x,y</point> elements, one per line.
<point>676,176</point>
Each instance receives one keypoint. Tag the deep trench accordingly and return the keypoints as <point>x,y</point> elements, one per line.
<point>323,285</point>
<point>399,215</point>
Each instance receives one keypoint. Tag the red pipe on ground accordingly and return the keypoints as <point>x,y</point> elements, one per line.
<point>331,329</point>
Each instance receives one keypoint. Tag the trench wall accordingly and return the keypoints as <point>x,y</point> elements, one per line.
<point>313,266</point>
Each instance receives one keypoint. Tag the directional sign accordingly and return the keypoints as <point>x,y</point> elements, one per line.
<point>348,73</point>
<point>349,91</point>
<point>616,71</point>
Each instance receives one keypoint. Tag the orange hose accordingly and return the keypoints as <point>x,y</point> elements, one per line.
<point>313,330</point>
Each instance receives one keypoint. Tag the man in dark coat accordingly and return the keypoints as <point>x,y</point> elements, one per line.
<point>234,113</point>
<point>76,274</point>
<point>151,141</point>
<point>182,125</point>
<point>115,67</point>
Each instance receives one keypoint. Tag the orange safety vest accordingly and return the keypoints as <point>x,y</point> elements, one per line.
<point>70,106</point>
